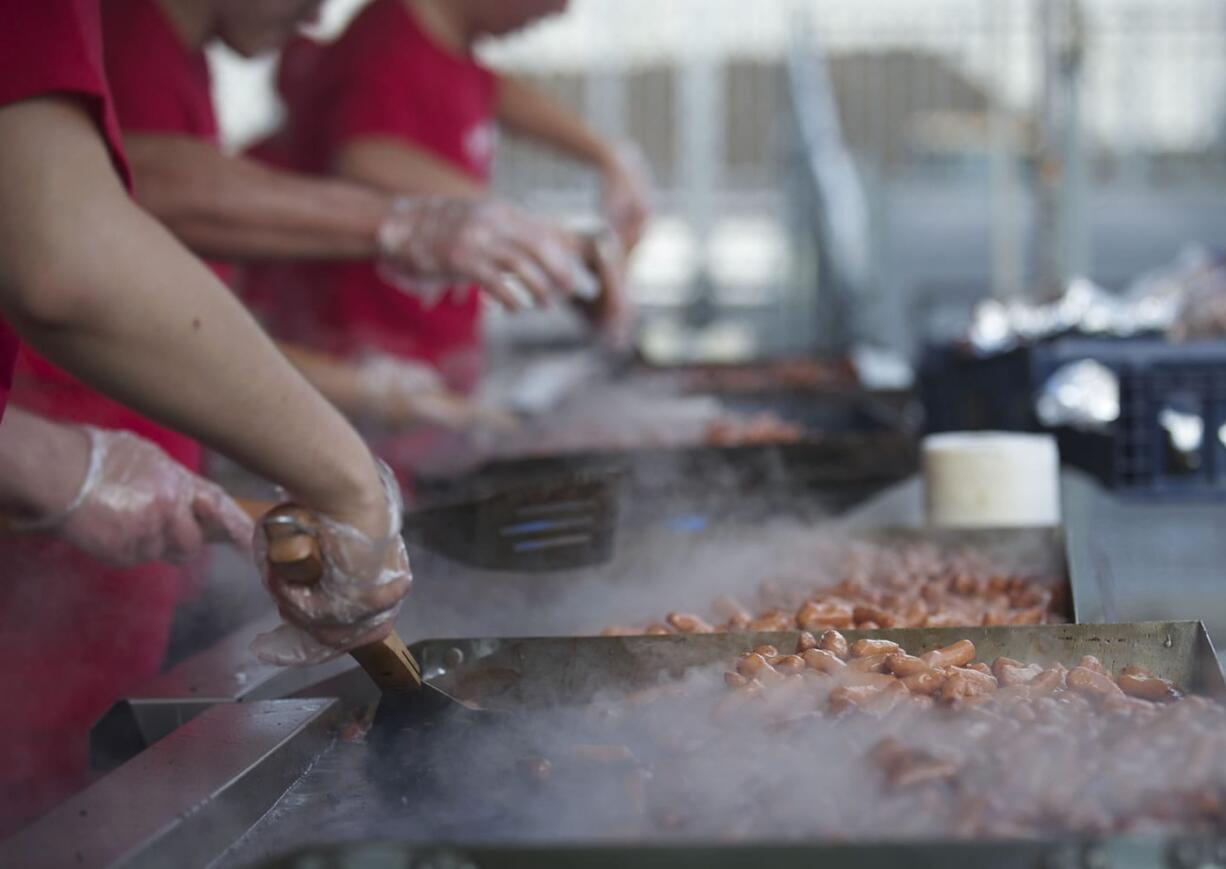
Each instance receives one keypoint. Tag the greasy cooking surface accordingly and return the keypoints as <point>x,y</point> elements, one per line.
<point>635,740</point>
<point>763,564</point>
<point>885,586</point>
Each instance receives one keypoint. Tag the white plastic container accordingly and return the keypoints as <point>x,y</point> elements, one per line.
<point>991,480</point>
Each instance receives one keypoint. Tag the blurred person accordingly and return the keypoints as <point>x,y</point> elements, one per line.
<point>102,291</point>
<point>232,209</point>
<point>399,102</point>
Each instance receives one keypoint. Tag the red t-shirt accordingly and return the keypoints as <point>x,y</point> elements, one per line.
<point>52,597</point>
<point>157,85</point>
<point>383,78</point>
<point>52,46</point>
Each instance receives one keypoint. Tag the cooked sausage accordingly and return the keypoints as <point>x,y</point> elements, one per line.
<point>750,665</point>
<point>1011,672</point>
<point>925,683</point>
<point>869,663</point>
<point>766,650</point>
<point>823,661</point>
<point>657,630</point>
<point>885,702</point>
<point>964,683</point>
<point>956,654</point>
<point>813,615</point>
<point>848,676</point>
<point>863,613</point>
<point>1089,662</point>
<point>852,696</point>
<point>835,643</point>
<point>788,664</point>
<point>687,623</point>
<point>902,664</point>
<point>771,621</point>
<point>1091,683</point>
<point>805,642</point>
<point>866,647</point>
<point>734,679</point>
<point>1148,687</point>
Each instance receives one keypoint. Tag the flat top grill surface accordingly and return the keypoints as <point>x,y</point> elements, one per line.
<point>684,564</point>
<point>432,784</point>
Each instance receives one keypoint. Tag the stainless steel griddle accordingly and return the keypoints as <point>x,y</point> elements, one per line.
<point>243,784</point>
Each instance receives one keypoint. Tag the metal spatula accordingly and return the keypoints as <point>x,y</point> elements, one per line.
<point>293,551</point>
<point>528,528</point>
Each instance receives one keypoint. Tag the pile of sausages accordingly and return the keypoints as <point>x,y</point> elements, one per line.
<point>878,675</point>
<point>762,429</point>
<point>908,587</point>
<point>1006,748</point>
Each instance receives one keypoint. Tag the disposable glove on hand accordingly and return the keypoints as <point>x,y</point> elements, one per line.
<point>428,243</point>
<point>352,602</point>
<point>136,504</point>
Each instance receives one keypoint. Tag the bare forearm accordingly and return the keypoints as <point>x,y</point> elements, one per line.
<point>527,111</point>
<point>336,379</point>
<point>100,288</point>
<point>234,208</point>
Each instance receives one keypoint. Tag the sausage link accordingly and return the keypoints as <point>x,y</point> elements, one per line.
<point>879,617</point>
<point>1089,662</point>
<point>1148,687</point>
<point>687,623</point>
<point>869,663</point>
<point>788,664</point>
<point>1091,683</point>
<point>902,664</point>
<point>771,621</point>
<point>823,661</point>
<point>866,647</point>
<point>835,643</point>
<point>956,654</point>
<point>814,615</point>
<point>657,630</point>
<point>805,642</point>
<point>926,683</point>
<point>734,679</point>
<point>766,650</point>
<point>751,664</point>
<point>852,696</point>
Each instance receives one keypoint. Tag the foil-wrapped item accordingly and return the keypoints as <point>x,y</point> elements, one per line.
<point>1084,308</point>
<point>1084,395</point>
<point>1185,300</point>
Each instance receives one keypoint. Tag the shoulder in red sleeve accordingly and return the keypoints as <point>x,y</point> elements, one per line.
<point>158,83</point>
<point>55,46</point>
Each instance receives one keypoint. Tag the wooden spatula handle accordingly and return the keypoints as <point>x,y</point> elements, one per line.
<point>293,552</point>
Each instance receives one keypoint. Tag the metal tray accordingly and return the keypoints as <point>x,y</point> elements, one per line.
<point>256,777</point>
<point>854,439</point>
<point>540,605</point>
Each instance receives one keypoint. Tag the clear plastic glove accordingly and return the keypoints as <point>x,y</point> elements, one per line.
<point>353,601</point>
<point>429,243</point>
<point>136,504</point>
<point>626,192</point>
<point>400,393</point>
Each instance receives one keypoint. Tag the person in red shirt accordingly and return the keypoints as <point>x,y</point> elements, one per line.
<point>230,209</point>
<point>101,290</point>
<point>400,102</point>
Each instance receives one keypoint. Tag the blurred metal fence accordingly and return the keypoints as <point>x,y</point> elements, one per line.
<point>945,109</point>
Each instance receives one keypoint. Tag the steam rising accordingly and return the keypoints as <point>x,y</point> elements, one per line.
<point>677,762</point>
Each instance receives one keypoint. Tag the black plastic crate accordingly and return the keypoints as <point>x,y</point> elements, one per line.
<point>1169,439</point>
